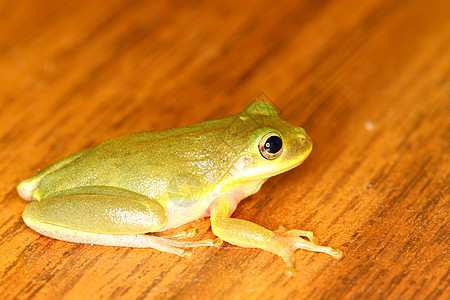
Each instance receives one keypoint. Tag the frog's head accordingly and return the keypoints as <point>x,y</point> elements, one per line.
<point>266,145</point>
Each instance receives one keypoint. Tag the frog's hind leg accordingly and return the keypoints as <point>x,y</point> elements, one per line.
<point>26,187</point>
<point>120,240</point>
<point>104,215</point>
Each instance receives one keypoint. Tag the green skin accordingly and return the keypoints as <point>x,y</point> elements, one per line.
<point>148,182</point>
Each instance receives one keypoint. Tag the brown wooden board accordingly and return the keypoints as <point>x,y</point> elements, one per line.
<point>368,80</point>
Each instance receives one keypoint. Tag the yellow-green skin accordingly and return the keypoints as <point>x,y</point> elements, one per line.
<point>147,182</point>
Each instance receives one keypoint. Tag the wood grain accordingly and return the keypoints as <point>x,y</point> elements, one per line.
<point>368,80</point>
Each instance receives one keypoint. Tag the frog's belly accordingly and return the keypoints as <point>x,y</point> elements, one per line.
<point>180,212</point>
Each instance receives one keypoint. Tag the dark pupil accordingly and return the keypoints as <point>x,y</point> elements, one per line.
<point>273,144</point>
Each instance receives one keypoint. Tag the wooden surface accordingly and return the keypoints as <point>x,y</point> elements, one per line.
<point>368,80</point>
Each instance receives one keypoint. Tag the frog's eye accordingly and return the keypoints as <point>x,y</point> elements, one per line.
<point>270,145</point>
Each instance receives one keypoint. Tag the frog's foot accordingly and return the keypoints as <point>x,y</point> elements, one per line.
<point>286,243</point>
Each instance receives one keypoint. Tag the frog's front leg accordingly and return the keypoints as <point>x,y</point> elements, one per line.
<point>247,234</point>
<point>104,216</point>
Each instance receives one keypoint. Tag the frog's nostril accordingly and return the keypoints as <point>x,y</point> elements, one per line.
<point>304,137</point>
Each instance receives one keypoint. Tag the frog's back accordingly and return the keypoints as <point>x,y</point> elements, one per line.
<point>159,164</point>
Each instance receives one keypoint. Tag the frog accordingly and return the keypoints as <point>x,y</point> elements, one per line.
<point>128,190</point>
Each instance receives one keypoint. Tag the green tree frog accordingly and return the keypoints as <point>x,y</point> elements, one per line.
<point>115,193</point>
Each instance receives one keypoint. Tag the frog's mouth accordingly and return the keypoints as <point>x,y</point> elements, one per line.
<point>280,171</point>
<point>289,167</point>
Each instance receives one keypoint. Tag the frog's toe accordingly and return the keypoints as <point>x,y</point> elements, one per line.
<point>336,253</point>
<point>289,260</point>
<point>186,254</point>
<point>217,242</point>
<point>289,270</point>
<point>300,243</point>
<point>180,235</point>
<point>301,233</point>
<point>297,233</point>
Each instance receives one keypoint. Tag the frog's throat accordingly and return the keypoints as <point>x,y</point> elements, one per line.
<point>241,190</point>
